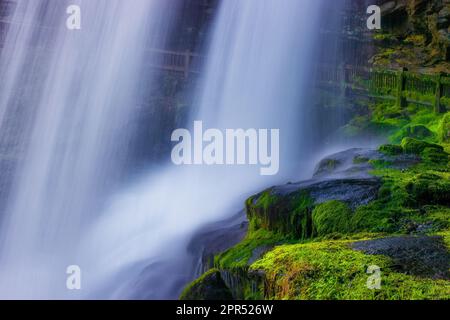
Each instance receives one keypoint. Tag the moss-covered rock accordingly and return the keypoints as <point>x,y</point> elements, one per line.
<point>210,286</point>
<point>255,243</point>
<point>391,149</point>
<point>435,156</point>
<point>288,214</point>
<point>444,128</point>
<point>417,131</point>
<point>411,145</point>
<point>332,270</point>
<point>429,188</point>
<point>331,217</point>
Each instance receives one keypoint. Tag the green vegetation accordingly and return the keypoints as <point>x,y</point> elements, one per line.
<point>332,270</point>
<point>411,145</point>
<point>210,286</point>
<point>391,149</point>
<point>238,256</point>
<point>444,128</point>
<point>385,119</point>
<point>331,217</point>
<point>285,214</point>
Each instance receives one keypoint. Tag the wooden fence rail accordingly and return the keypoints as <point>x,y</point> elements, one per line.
<point>402,85</point>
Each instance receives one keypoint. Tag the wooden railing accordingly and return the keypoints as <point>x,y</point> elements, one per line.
<point>402,86</point>
<point>185,62</point>
<point>182,62</point>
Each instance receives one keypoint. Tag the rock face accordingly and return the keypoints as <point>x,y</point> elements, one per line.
<point>216,238</point>
<point>416,34</point>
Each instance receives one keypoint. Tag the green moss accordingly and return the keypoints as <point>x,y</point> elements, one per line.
<point>386,119</point>
<point>429,220</point>
<point>391,149</point>
<point>444,128</point>
<point>428,188</point>
<point>411,145</point>
<point>332,270</point>
<point>415,39</point>
<point>288,214</point>
<point>380,163</point>
<point>331,217</point>
<point>435,156</point>
<point>417,131</point>
<point>301,220</point>
<point>360,159</point>
<point>209,286</point>
<point>238,256</point>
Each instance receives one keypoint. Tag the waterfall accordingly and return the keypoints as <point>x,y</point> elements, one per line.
<point>256,76</point>
<point>67,98</point>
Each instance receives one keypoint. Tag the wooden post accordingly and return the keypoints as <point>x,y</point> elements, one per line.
<point>187,61</point>
<point>438,94</point>
<point>401,80</point>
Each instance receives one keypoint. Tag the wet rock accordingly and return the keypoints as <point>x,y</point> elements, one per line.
<point>215,238</point>
<point>344,163</point>
<point>424,256</point>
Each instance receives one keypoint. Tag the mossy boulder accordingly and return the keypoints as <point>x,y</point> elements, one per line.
<point>417,131</point>
<point>288,214</point>
<point>444,128</point>
<point>331,217</point>
<point>210,286</point>
<point>435,156</point>
<point>391,149</point>
<point>429,188</point>
<point>411,145</point>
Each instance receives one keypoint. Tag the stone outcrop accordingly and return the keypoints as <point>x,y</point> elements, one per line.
<point>415,34</point>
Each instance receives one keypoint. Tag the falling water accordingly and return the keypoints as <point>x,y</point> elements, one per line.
<point>258,61</point>
<point>66,100</point>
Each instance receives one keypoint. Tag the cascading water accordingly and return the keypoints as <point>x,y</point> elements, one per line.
<point>66,100</point>
<point>255,77</point>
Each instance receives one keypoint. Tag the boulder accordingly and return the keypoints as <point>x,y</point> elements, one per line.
<point>210,286</point>
<point>411,145</point>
